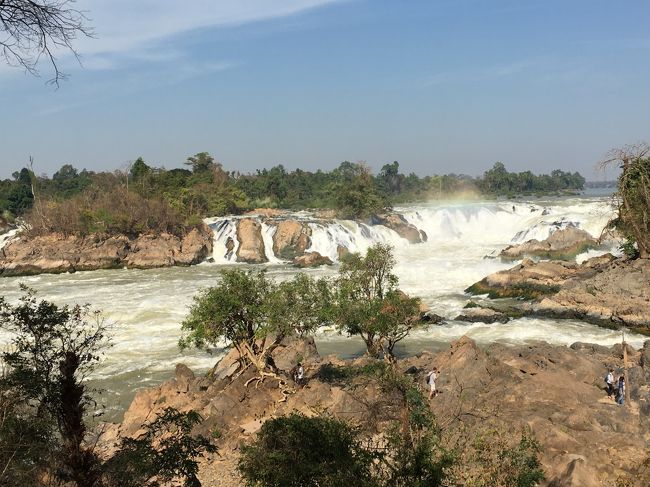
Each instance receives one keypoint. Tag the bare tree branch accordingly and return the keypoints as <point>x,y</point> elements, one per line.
<point>34,29</point>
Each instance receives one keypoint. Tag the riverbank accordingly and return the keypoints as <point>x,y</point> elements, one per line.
<point>555,391</point>
<point>56,253</point>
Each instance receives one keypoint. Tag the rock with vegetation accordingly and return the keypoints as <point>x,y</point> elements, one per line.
<point>291,239</point>
<point>482,315</point>
<point>251,243</point>
<point>563,244</point>
<point>603,290</point>
<point>496,404</point>
<point>56,253</point>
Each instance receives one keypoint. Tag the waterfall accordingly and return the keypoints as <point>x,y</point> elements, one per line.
<point>489,225</point>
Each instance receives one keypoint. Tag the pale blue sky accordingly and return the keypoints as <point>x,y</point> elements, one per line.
<point>439,85</point>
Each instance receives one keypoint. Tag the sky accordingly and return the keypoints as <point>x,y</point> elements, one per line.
<point>442,86</point>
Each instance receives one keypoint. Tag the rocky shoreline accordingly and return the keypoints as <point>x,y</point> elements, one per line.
<point>556,391</point>
<point>57,253</point>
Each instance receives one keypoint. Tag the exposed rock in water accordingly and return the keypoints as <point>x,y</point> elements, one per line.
<point>230,246</point>
<point>312,259</point>
<point>342,252</point>
<point>556,391</point>
<point>482,315</point>
<point>291,239</point>
<point>603,290</point>
<point>55,253</point>
<point>399,224</point>
<point>251,244</point>
<point>564,244</point>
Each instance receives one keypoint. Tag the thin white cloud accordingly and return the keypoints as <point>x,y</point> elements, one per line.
<point>125,25</point>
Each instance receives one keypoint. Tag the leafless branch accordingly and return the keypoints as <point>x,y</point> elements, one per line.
<point>34,29</point>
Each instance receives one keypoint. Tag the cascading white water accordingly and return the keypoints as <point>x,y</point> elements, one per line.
<point>147,307</point>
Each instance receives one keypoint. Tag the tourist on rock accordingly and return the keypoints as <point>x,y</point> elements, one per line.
<point>620,398</point>
<point>609,380</point>
<point>431,380</point>
<point>298,374</point>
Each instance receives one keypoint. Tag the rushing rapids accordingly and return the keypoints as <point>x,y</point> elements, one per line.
<point>145,307</point>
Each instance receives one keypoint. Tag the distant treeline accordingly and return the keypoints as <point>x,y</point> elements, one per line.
<point>147,198</point>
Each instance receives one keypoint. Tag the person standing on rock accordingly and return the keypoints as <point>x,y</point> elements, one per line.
<point>431,380</point>
<point>620,398</point>
<point>609,380</point>
<point>298,374</point>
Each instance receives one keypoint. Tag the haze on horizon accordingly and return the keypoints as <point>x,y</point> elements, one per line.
<point>439,85</point>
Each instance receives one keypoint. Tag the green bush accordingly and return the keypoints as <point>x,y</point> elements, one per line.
<point>298,451</point>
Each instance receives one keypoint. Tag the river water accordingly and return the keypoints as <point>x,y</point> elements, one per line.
<point>145,307</point>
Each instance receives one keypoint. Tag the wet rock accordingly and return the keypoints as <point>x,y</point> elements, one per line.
<point>251,244</point>
<point>399,224</point>
<point>291,239</point>
<point>431,317</point>
<point>311,259</point>
<point>482,315</point>
<point>564,244</point>
<point>230,246</point>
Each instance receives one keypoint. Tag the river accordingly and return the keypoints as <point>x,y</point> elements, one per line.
<point>145,307</point>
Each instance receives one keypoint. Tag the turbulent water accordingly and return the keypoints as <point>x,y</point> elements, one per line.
<point>145,308</point>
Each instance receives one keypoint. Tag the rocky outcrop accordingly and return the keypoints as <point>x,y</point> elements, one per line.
<point>291,239</point>
<point>555,391</point>
<point>482,315</point>
<point>619,294</point>
<point>399,224</point>
<point>312,259</point>
<point>251,244</point>
<point>603,290</point>
<point>563,244</point>
<point>56,253</point>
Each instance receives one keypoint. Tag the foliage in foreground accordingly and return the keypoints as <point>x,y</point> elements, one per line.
<point>298,451</point>
<point>633,198</point>
<point>44,402</point>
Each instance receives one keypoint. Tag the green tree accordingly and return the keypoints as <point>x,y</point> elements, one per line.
<point>44,397</point>
<point>299,451</point>
<point>633,194</point>
<point>367,302</point>
<point>200,162</point>
<point>253,314</point>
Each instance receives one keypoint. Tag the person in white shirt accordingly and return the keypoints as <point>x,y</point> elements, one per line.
<point>609,380</point>
<point>431,380</point>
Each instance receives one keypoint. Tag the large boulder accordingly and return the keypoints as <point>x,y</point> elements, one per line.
<point>399,224</point>
<point>562,244</point>
<point>291,239</point>
<point>150,251</point>
<point>196,246</point>
<point>311,259</point>
<point>251,243</point>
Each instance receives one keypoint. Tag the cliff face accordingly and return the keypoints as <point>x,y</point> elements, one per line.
<point>556,391</point>
<point>57,253</point>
